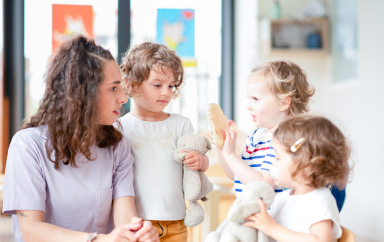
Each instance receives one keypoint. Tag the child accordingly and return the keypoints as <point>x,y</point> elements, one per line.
<point>311,153</point>
<point>276,90</point>
<point>152,75</point>
<point>69,171</point>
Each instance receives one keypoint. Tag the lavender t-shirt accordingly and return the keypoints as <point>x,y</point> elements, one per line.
<point>77,198</point>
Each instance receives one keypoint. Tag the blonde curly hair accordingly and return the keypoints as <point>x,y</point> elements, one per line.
<point>286,79</point>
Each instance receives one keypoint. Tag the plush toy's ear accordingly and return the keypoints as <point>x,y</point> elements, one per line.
<point>209,145</point>
<point>181,142</point>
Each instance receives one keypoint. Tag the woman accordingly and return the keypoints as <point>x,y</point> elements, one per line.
<point>69,171</point>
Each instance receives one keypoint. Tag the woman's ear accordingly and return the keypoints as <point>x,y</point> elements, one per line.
<point>285,104</point>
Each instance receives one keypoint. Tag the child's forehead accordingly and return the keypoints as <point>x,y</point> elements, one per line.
<point>259,76</point>
<point>259,83</point>
<point>161,73</point>
<point>160,69</point>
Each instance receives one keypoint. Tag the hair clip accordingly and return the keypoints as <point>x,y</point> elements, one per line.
<point>297,145</point>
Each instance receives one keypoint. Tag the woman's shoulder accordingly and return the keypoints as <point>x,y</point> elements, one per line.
<point>29,134</point>
<point>123,144</point>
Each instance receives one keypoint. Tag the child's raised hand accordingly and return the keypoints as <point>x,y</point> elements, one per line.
<point>194,160</point>
<point>229,146</point>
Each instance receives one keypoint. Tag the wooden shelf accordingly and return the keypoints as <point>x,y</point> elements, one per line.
<point>299,35</point>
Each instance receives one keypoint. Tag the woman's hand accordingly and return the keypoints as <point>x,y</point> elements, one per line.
<point>136,230</point>
<point>147,233</point>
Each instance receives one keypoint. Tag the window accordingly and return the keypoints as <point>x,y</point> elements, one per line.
<point>344,41</point>
<point>39,35</point>
<point>201,82</point>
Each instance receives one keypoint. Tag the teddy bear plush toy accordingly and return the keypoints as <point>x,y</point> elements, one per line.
<point>231,229</point>
<point>195,183</point>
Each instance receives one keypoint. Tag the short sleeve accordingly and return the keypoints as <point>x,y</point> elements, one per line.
<point>188,127</point>
<point>24,184</point>
<point>123,170</point>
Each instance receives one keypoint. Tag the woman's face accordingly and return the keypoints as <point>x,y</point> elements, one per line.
<point>111,95</point>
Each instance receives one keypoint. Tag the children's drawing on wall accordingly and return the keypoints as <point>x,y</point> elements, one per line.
<point>175,28</point>
<point>70,19</point>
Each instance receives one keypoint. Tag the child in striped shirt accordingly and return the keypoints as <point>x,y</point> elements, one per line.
<point>276,90</point>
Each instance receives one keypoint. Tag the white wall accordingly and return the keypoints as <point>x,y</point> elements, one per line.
<point>356,107</point>
<point>246,56</point>
<point>359,108</point>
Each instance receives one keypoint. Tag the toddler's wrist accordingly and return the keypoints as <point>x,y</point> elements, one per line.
<point>229,156</point>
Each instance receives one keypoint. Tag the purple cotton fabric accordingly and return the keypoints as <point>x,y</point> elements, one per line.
<point>77,198</point>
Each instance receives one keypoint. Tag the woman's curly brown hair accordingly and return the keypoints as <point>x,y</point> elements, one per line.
<point>138,62</point>
<point>324,154</point>
<point>287,79</point>
<point>68,107</point>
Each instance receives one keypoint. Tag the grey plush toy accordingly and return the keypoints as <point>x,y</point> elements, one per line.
<point>195,183</point>
<point>232,230</point>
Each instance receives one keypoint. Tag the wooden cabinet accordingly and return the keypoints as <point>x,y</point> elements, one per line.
<point>303,35</point>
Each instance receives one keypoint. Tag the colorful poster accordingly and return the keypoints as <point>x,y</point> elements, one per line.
<point>70,19</point>
<point>176,29</point>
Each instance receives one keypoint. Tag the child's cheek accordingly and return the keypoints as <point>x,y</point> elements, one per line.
<point>274,172</point>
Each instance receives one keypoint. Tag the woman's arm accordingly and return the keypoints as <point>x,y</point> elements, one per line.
<point>124,210</point>
<point>33,228</point>
<point>127,226</point>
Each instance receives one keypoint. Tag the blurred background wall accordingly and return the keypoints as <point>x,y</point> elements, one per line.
<point>346,69</point>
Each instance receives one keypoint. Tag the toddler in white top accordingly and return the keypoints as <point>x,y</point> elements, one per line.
<point>152,75</point>
<point>311,153</point>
